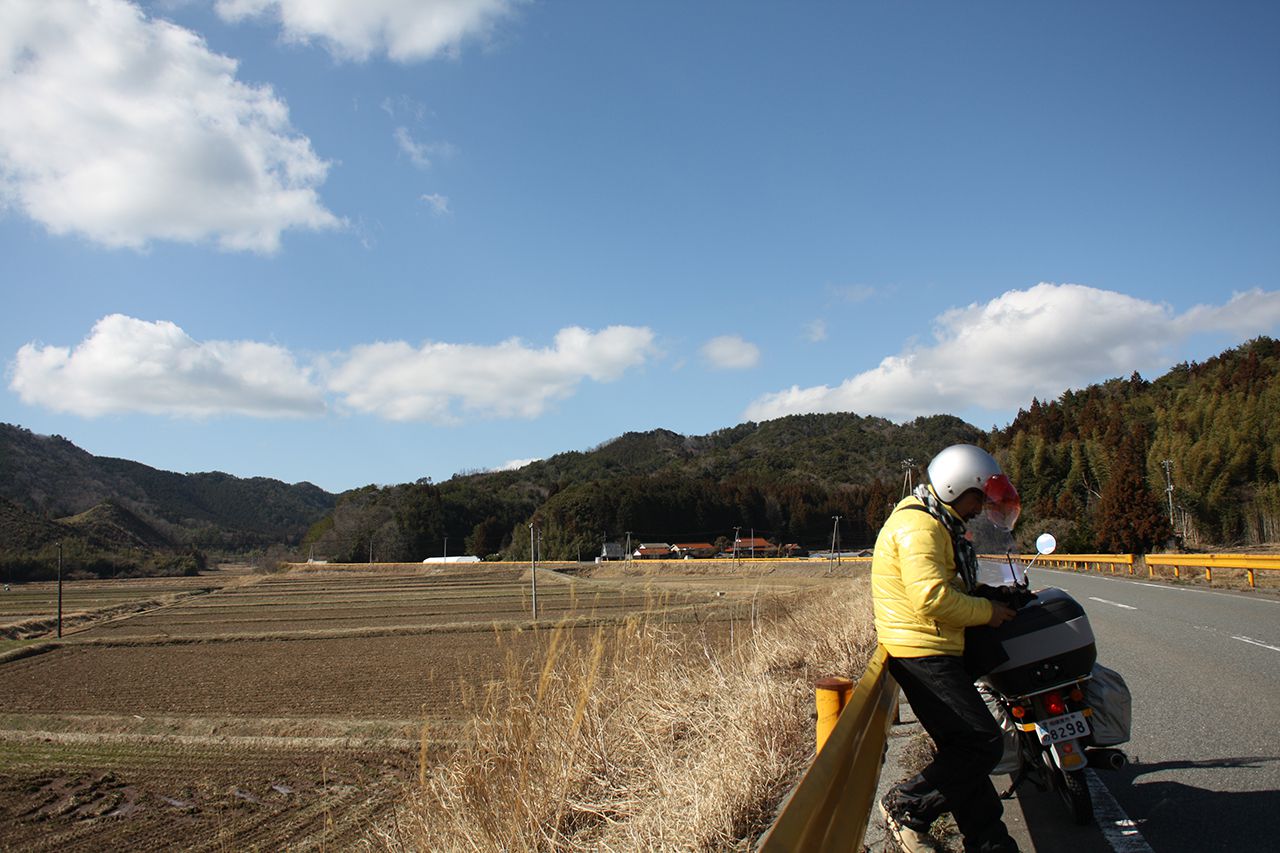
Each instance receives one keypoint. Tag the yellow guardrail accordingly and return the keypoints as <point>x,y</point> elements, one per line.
<point>1251,563</point>
<point>1073,561</point>
<point>831,806</point>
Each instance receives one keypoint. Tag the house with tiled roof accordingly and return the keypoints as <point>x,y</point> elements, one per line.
<point>747,546</point>
<point>691,550</point>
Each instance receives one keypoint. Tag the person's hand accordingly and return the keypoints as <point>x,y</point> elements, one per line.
<point>1000,614</point>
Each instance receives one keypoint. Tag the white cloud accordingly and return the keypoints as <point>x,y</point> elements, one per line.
<point>405,30</point>
<point>1245,314</point>
<point>730,352</point>
<point>421,153</point>
<point>816,331</point>
<point>517,464</point>
<point>400,382</point>
<point>127,129</point>
<point>1023,344</point>
<point>130,365</point>
<point>438,203</point>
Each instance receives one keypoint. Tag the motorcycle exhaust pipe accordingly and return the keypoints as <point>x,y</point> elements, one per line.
<point>1106,758</point>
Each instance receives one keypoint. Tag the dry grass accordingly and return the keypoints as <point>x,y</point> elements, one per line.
<point>649,736</point>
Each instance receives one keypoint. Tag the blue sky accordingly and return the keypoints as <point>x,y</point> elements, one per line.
<point>367,241</point>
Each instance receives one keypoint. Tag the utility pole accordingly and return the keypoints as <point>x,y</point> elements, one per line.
<point>59,589</point>
<point>628,546</point>
<point>753,543</point>
<point>907,483</point>
<point>370,549</point>
<point>446,547</point>
<point>533,570</point>
<point>835,536</point>
<point>1168,486</point>
<point>737,537</point>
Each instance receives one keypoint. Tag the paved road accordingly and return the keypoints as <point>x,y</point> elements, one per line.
<point>1204,670</point>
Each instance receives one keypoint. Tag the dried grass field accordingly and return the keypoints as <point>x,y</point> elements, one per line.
<point>417,707</point>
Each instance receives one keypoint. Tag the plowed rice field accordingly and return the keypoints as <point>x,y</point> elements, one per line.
<point>284,711</point>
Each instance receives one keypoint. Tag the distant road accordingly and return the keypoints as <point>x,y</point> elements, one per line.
<point>1204,669</point>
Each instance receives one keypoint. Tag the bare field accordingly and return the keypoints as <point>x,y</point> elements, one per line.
<point>288,711</point>
<point>90,797</point>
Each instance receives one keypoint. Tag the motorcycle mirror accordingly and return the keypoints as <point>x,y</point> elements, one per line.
<point>1045,543</point>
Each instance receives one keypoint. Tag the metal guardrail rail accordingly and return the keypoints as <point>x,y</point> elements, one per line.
<point>1249,563</point>
<point>830,807</point>
<point>1086,561</point>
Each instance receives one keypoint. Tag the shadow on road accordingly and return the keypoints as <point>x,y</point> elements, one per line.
<point>1172,816</point>
<point>1178,816</point>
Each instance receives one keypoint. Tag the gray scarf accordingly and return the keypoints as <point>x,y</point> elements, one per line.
<point>966,556</point>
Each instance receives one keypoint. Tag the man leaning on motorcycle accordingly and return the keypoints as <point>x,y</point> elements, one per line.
<point>923,584</point>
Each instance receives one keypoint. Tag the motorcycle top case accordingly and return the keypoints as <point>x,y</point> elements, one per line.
<point>1049,643</point>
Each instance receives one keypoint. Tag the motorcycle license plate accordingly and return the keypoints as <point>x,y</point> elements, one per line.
<point>1066,727</point>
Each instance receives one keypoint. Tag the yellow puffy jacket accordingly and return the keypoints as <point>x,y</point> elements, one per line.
<point>920,604</point>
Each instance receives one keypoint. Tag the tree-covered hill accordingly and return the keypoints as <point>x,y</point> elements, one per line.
<point>786,478</point>
<point>50,476</point>
<point>1217,424</point>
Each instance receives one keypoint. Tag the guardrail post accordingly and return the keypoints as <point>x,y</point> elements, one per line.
<point>1251,583</point>
<point>1208,574</point>
<point>831,695</point>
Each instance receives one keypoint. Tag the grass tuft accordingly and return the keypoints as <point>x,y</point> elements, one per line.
<point>645,734</point>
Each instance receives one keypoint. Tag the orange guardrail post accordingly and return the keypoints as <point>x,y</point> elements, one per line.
<point>831,695</point>
<point>829,809</point>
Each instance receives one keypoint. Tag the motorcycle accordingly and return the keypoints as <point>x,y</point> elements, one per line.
<point>1060,711</point>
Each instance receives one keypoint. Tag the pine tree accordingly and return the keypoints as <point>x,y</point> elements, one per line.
<point>1130,517</point>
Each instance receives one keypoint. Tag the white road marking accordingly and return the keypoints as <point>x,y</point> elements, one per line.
<point>1117,828</point>
<point>1113,603</point>
<point>1256,643</point>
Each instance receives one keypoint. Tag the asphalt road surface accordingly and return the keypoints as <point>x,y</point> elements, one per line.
<point>1204,670</point>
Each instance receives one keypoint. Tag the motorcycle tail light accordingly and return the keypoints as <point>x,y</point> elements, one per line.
<point>1054,705</point>
<point>1018,712</point>
<point>1077,695</point>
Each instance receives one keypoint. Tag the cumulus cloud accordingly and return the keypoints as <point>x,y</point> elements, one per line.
<point>130,365</point>
<point>1245,314</point>
<point>127,129</point>
<point>816,331</point>
<point>432,382</point>
<point>730,352</point>
<point>405,30</point>
<point>1023,344</point>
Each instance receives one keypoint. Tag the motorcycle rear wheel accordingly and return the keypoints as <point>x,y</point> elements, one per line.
<point>1073,787</point>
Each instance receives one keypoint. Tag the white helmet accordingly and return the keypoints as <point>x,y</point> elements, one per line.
<point>962,467</point>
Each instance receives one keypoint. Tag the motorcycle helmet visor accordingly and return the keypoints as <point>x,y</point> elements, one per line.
<point>1002,505</point>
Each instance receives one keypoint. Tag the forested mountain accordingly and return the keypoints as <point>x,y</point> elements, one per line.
<point>1091,463</point>
<point>1089,466</point>
<point>51,477</point>
<point>786,478</point>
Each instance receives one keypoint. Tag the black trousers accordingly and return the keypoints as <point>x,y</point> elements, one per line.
<point>968,743</point>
